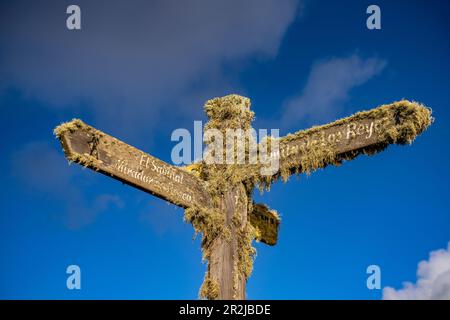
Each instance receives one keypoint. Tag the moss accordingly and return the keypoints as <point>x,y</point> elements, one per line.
<point>194,168</point>
<point>409,112</point>
<point>233,112</point>
<point>236,276</point>
<point>229,112</point>
<point>70,126</point>
<point>246,252</point>
<point>210,288</point>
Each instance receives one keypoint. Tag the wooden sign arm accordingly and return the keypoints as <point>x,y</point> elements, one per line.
<point>266,223</point>
<point>101,152</point>
<point>366,132</point>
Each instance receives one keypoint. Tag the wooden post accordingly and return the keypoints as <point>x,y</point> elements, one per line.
<point>223,264</point>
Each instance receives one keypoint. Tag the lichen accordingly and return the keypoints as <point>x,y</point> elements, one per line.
<point>233,112</point>
<point>193,168</point>
<point>210,288</point>
<point>246,252</point>
<point>85,160</point>
<point>230,112</point>
<point>236,276</point>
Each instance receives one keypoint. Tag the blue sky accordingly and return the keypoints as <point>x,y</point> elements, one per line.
<point>138,70</point>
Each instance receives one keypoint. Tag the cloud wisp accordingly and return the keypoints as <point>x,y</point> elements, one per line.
<point>433,280</point>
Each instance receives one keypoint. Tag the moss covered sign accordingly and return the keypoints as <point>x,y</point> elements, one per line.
<point>217,198</point>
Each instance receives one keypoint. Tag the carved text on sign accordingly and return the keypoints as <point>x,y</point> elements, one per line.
<point>339,135</point>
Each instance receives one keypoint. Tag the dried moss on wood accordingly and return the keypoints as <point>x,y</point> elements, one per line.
<point>410,120</point>
<point>210,288</point>
<point>70,126</point>
<point>233,112</point>
<point>407,120</point>
<point>266,223</point>
<point>210,223</point>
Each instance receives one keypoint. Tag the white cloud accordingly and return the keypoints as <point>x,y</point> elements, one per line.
<point>328,86</point>
<point>433,280</point>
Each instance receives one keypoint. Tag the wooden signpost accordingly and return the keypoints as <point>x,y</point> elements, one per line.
<point>218,197</point>
<point>97,150</point>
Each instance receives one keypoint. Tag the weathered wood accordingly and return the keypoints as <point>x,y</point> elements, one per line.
<point>101,152</point>
<point>366,132</point>
<point>267,222</point>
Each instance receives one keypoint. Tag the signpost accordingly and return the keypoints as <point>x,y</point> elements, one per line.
<point>218,202</point>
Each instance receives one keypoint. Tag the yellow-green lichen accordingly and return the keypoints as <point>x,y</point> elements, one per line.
<point>210,223</point>
<point>266,223</point>
<point>85,160</point>
<point>246,252</point>
<point>402,122</point>
<point>405,120</point>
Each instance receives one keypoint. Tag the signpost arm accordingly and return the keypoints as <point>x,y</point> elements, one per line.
<point>366,132</point>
